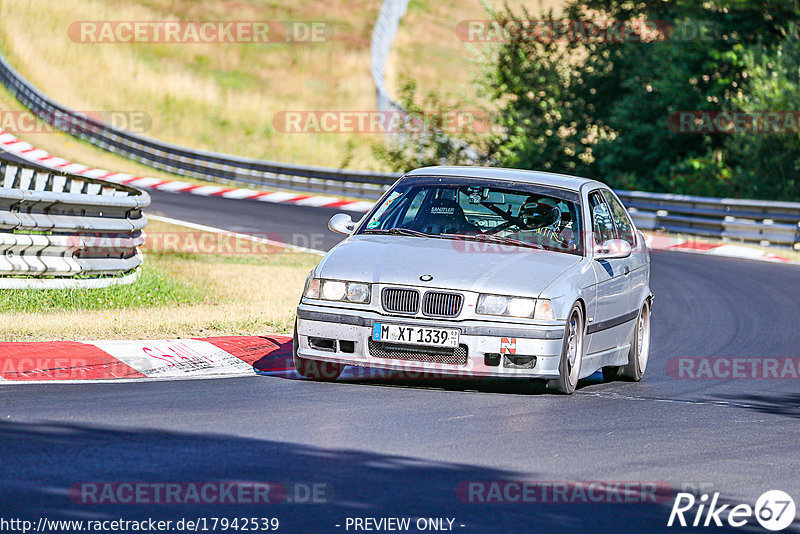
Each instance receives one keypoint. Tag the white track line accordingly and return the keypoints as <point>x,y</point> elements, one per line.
<point>237,235</point>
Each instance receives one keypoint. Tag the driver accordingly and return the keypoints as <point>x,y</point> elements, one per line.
<point>541,215</point>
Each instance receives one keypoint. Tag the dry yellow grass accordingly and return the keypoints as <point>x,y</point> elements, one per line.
<point>428,50</point>
<point>224,97</point>
<point>66,146</point>
<point>249,295</point>
<point>214,96</point>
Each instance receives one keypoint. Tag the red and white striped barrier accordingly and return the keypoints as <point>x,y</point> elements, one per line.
<point>12,144</point>
<point>664,242</point>
<point>172,359</point>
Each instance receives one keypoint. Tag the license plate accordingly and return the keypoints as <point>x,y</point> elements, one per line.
<point>415,335</point>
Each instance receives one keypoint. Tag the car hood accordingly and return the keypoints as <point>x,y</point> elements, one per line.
<point>454,264</point>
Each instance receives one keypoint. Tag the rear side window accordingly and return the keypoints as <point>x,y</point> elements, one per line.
<point>621,219</point>
<point>602,221</point>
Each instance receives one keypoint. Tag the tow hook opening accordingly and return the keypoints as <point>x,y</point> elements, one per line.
<point>516,361</point>
<point>322,343</point>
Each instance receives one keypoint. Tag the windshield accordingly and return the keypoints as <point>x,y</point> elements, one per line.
<point>484,210</point>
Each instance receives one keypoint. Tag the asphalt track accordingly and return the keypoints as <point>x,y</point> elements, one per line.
<point>401,449</point>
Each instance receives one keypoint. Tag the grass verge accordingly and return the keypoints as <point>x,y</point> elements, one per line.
<point>184,293</point>
<point>152,288</point>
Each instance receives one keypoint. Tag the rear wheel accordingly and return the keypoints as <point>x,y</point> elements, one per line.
<point>569,367</point>
<point>314,369</point>
<point>639,352</point>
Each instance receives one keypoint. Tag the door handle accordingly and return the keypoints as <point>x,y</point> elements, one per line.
<point>626,270</point>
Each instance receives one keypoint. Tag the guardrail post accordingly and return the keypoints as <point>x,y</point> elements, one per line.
<point>796,245</point>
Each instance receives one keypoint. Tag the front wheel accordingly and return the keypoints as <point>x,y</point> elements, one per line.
<point>569,368</point>
<point>314,369</point>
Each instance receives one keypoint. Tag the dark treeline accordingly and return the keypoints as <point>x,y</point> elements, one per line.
<point>682,96</point>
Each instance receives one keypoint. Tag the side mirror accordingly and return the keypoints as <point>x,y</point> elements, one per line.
<point>613,249</point>
<point>342,223</point>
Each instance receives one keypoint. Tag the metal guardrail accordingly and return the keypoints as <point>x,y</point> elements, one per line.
<point>753,221</point>
<point>742,220</point>
<point>200,164</point>
<point>59,230</point>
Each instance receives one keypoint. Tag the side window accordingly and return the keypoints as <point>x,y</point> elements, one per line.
<point>602,221</point>
<point>621,219</point>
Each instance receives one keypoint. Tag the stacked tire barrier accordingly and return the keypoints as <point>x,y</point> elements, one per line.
<point>65,231</point>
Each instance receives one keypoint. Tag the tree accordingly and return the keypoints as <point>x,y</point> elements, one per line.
<point>602,107</point>
<point>429,133</point>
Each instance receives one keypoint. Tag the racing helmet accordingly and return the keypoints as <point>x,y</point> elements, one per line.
<point>539,212</point>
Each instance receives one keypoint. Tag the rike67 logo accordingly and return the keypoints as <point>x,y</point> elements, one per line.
<point>774,510</point>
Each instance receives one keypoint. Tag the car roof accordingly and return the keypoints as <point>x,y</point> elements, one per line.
<point>563,181</point>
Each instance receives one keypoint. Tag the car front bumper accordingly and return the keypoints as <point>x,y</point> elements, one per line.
<point>493,348</point>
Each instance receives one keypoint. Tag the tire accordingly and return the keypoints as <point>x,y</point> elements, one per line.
<point>639,353</point>
<point>569,368</point>
<point>314,369</point>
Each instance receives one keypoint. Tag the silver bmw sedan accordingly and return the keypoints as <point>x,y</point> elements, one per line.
<point>482,272</point>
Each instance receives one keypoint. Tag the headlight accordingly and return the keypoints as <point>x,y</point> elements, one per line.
<point>332,290</point>
<point>338,290</point>
<point>519,307</point>
<point>492,305</point>
<point>525,308</point>
<point>358,292</point>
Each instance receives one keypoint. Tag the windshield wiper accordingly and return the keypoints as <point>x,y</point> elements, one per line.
<point>492,238</point>
<point>399,231</point>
